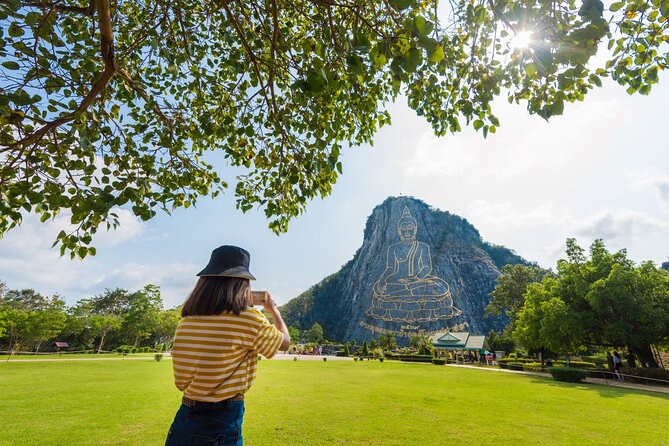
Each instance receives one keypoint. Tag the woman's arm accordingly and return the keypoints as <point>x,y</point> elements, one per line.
<point>280,325</point>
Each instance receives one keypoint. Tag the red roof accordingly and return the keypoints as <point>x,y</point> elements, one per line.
<point>61,344</point>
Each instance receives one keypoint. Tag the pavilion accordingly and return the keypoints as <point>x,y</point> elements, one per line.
<point>462,342</point>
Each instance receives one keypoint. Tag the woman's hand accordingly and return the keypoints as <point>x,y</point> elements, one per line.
<point>269,305</point>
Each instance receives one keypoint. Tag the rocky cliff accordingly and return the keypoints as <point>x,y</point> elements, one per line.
<point>419,270</point>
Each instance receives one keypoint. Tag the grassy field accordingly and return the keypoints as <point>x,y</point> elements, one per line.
<point>74,356</point>
<point>338,403</point>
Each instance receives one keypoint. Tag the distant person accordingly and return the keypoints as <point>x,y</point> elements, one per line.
<point>216,351</point>
<point>617,365</point>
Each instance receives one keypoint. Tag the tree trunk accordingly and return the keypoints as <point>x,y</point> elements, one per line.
<point>39,344</point>
<point>102,340</point>
<point>645,355</point>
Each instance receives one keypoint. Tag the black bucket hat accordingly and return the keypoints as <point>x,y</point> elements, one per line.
<point>228,261</point>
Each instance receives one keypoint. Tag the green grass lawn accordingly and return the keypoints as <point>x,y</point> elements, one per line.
<point>315,402</point>
<point>113,355</point>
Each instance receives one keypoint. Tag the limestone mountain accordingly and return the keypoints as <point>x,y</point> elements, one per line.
<point>419,270</point>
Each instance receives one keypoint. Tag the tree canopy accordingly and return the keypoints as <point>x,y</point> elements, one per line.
<point>107,104</point>
<point>603,300</point>
<point>508,297</point>
<point>29,320</point>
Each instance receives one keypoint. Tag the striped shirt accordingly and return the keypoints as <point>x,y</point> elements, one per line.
<point>215,357</point>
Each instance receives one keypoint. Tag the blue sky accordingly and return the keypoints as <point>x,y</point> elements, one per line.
<point>599,171</point>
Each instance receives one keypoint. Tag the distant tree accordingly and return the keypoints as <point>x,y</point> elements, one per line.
<point>508,296</point>
<point>143,315</point>
<point>314,334</point>
<point>98,318</point>
<point>501,341</point>
<point>167,325</point>
<point>295,334</point>
<point>32,318</point>
<point>387,341</point>
<point>422,343</point>
<point>347,351</point>
<point>365,349</point>
<point>604,299</point>
<point>373,344</point>
<point>295,312</point>
<point>546,323</point>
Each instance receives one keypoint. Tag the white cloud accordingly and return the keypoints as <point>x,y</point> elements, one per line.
<point>621,224</point>
<point>662,187</point>
<point>505,215</point>
<point>130,227</point>
<point>437,156</point>
<point>28,261</point>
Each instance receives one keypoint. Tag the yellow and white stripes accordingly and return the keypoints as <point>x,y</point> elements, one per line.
<point>215,357</point>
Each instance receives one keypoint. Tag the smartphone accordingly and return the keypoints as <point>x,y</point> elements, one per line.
<point>260,297</point>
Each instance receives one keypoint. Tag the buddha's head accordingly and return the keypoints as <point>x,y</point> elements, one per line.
<point>407,226</point>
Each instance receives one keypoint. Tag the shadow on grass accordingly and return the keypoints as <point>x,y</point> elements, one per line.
<point>605,391</point>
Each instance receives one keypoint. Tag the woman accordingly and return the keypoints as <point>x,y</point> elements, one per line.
<point>216,350</point>
<point>617,364</point>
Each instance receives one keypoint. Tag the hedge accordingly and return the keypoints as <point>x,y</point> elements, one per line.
<point>567,374</point>
<point>575,364</point>
<point>415,358</point>
<point>438,361</point>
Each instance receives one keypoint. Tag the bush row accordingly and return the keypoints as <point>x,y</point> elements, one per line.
<point>131,349</point>
<point>532,362</point>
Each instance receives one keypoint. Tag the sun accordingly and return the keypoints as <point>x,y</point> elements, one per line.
<point>521,40</point>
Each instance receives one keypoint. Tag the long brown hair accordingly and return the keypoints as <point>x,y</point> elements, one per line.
<point>216,295</point>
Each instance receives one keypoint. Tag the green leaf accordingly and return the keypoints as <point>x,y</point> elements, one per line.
<point>437,55</point>
<point>478,124</point>
<point>33,18</point>
<point>616,6</point>
<point>556,108</point>
<point>11,65</point>
<point>531,69</point>
<point>15,30</point>
<point>420,24</point>
<point>400,5</point>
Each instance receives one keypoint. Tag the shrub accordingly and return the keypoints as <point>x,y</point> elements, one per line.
<point>133,350</point>
<point>517,366</point>
<point>579,364</point>
<point>533,367</point>
<point>381,358</point>
<point>415,358</point>
<point>164,347</point>
<point>325,359</point>
<point>513,359</point>
<point>158,357</point>
<point>438,361</point>
<point>355,358</point>
<point>567,374</point>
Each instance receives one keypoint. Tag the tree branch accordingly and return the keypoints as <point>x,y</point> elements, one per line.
<point>107,50</point>
<point>56,6</point>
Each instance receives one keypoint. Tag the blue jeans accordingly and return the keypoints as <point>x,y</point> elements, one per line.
<point>211,424</point>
